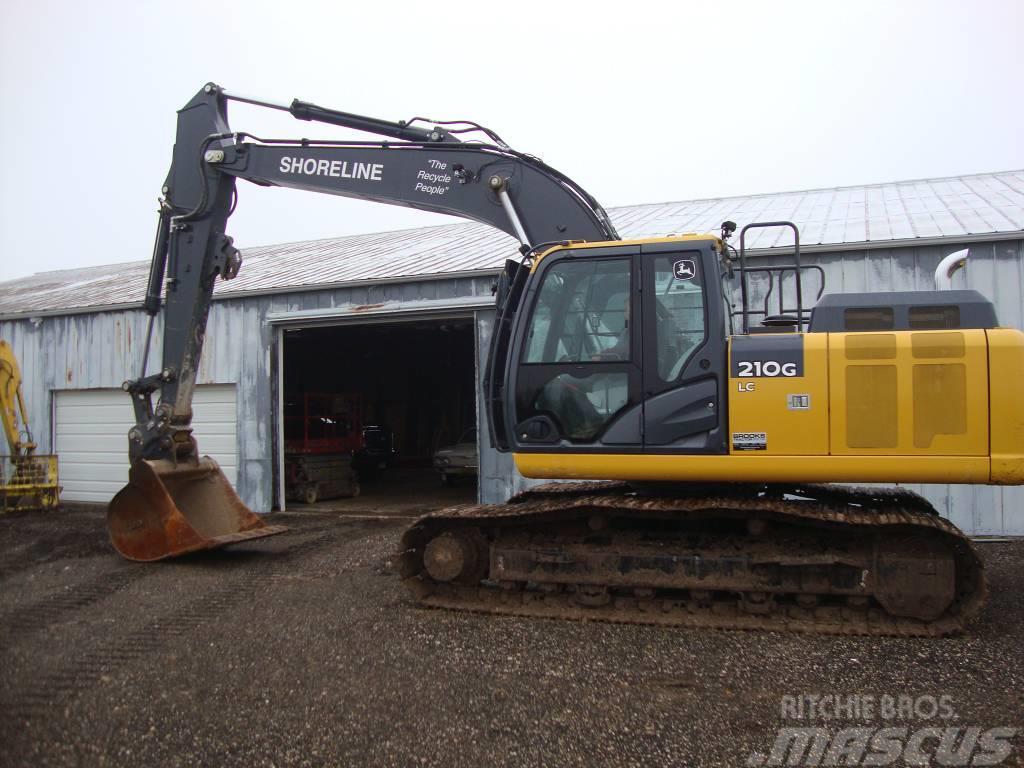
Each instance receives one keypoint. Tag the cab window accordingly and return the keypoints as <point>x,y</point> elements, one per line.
<point>581,314</point>
<point>679,313</point>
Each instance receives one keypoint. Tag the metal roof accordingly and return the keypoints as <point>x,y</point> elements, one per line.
<point>875,215</point>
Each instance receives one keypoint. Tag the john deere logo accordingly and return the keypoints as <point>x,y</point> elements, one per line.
<point>684,269</point>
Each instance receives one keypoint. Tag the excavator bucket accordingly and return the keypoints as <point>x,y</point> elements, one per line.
<point>167,510</point>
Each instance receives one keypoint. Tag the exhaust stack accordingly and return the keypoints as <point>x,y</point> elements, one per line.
<point>948,266</point>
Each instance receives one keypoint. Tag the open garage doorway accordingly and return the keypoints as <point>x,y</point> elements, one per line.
<point>398,398</point>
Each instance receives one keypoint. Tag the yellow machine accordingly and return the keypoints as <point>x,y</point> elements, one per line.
<point>714,424</point>
<point>27,480</point>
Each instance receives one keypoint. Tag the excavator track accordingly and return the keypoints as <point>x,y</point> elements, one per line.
<point>810,558</point>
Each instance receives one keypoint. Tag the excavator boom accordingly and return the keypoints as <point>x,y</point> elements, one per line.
<point>176,501</point>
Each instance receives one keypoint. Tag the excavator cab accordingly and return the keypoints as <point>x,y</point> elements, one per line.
<point>619,349</point>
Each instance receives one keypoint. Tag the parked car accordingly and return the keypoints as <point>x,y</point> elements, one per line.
<point>459,460</point>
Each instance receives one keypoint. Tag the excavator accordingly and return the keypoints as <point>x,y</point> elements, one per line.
<point>28,480</point>
<point>708,449</point>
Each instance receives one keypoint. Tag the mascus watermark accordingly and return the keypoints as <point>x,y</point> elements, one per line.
<point>879,731</point>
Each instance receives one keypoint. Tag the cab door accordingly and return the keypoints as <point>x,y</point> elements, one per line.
<point>683,348</point>
<point>577,380</point>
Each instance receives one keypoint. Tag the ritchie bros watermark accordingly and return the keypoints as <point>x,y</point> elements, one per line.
<point>880,730</point>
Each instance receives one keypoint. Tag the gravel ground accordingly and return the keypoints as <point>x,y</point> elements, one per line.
<point>304,649</point>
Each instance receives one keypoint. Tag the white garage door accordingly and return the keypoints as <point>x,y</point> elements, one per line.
<point>91,430</point>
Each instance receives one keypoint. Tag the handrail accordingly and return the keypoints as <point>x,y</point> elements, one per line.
<point>744,292</point>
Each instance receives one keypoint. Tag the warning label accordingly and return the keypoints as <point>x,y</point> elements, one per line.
<point>749,441</point>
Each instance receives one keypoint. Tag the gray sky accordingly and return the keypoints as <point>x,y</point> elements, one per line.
<point>639,102</point>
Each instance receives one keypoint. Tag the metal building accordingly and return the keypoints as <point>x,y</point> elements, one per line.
<point>425,295</point>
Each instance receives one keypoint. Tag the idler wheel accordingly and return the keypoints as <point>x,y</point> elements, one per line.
<point>453,556</point>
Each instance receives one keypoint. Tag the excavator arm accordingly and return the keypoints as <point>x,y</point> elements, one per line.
<point>429,169</point>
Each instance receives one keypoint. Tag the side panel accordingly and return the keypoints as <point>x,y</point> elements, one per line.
<point>1006,358</point>
<point>778,389</point>
<point>909,393</point>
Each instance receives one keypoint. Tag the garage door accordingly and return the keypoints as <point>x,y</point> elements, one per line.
<point>91,431</point>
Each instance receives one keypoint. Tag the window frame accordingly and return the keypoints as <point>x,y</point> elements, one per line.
<point>632,296</point>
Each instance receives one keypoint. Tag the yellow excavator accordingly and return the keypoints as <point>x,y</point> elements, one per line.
<point>27,480</point>
<point>705,429</point>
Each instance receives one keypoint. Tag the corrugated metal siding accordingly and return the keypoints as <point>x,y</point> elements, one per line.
<point>101,350</point>
<point>498,478</point>
<point>994,269</point>
<point>951,207</point>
